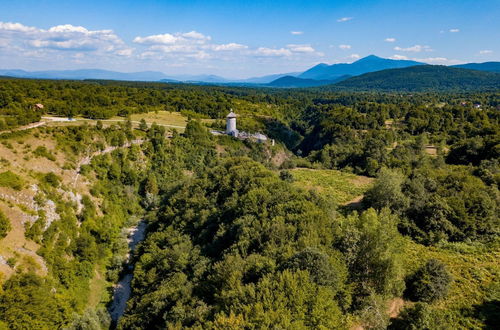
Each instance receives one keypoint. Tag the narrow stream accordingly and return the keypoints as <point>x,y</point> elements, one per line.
<point>122,289</point>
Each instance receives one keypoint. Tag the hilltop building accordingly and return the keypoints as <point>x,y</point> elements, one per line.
<point>231,124</point>
<point>231,130</point>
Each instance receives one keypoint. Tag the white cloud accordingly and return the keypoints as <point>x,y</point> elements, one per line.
<point>398,57</point>
<point>436,60</point>
<point>301,48</point>
<point>16,27</point>
<point>229,47</point>
<point>264,51</point>
<point>39,42</point>
<point>344,19</point>
<point>429,60</point>
<point>288,51</point>
<point>71,28</point>
<point>485,51</point>
<point>165,39</point>
<point>192,37</point>
<point>454,30</point>
<point>415,49</point>
<point>195,35</point>
<point>125,52</point>
<point>186,45</point>
<point>345,47</point>
<point>390,39</point>
<point>64,46</point>
<point>354,56</point>
<point>297,33</point>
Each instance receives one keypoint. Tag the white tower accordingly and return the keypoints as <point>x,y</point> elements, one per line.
<point>231,124</point>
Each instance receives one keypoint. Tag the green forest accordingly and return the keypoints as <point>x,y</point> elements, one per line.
<point>232,241</point>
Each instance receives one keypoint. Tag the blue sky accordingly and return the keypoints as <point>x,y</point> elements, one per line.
<point>242,38</point>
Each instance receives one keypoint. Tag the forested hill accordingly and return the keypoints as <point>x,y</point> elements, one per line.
<point>486,66</point>
<point>423,78</point>
<point>290,81</point>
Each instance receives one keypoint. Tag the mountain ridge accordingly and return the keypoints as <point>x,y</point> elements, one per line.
<point>422,78</point>
<point>82,74</point>
<point>366,64</point>
<point>296,82</point>
<point>485,66</point>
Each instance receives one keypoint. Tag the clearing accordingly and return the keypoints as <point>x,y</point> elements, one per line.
<point>172,120</point>
<point>339,187</point>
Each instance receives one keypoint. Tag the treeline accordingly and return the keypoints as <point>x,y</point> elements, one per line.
<point>100,99</point>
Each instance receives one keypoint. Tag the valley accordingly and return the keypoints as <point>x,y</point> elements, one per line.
<point>133,215</point>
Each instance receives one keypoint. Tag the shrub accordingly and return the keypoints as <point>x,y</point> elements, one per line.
<point>429,283</point>
<point>91,319</point>
<point>286,176</point>
<point>42,151</point>
<point>386,192</point>
<point>316,263</point>
<point>52,179</point>
<point>11,180</point>
<point>419,317</point>
<point>5,226</point>
<point>11,262</point>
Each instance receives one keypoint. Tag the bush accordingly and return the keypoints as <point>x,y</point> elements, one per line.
<point>317,264</point>
<point>52,179</point>
<point>418,317</point>
<point>386,192</point>
<point>42,151</point>
<point>286,176</point>
<point>429,283</point>
<point>11,180</point>
<point>91,319</point>
<point>5,226</point>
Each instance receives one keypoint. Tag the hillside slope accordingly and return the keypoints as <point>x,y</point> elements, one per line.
<point>423,78</point>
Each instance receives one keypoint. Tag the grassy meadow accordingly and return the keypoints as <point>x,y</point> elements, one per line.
<point>339,187</point>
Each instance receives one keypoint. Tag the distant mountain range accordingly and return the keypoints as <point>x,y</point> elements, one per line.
<point>137,76</point>
<point>319,75</point>
<point>423,78</point>
<point>367,64</point>
<point>293,82</point>
<point>486,66</point>
<point>322,73</point>
<point>85,74</point>
<point>269,78</point>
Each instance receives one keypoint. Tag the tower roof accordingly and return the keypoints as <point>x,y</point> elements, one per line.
<point>231,115</point>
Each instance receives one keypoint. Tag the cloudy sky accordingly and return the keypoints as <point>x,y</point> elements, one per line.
<point>242,38</point>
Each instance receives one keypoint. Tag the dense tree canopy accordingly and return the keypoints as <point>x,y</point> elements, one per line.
<point>232,242</point>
